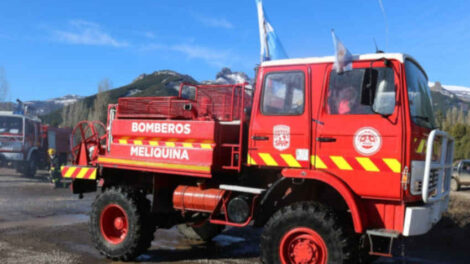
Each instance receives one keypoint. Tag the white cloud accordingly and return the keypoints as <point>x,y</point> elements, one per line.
<point>83,32</point>
<point>146,34</point>
<point>211,56</point>
<point>149,35</point>
<point>213,22</point>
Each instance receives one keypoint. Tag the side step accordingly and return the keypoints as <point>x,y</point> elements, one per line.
<point>383,241</point>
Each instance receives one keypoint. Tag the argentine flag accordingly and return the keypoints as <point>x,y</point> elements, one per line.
<point>343,58</point>
<point>271,47</point>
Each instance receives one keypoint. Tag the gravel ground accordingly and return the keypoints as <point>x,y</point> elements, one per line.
<point>39,224</point>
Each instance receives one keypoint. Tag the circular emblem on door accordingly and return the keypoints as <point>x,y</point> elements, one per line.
<point>367,141</point>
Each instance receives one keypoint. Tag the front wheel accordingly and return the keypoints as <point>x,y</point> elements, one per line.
<point>306,233</point>
<point>120,224</point>
<point>454,185</point>
<point>30,167</point>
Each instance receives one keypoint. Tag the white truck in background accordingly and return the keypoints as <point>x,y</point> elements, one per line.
<point>24,142</point>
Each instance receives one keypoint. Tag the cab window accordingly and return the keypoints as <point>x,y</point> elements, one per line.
<point>344,93</point>
<point>283,93</point>
<point>465,167</point>
<point>30,130</point>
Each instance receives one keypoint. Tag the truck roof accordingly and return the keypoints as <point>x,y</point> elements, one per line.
<point>401,57</point>
<point>10,113</point>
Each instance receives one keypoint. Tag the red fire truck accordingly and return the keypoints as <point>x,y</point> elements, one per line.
<point>331,164</point>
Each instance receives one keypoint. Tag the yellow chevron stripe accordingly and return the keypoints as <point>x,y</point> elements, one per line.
<point>93,175</point>
<point>367,164</point>
<point>206,146</point>
<point>137,142</point>
<point>82,173</point>
<point>268,160</point>
<point>341,163</point>
<point>187,145</point>
<point>393,164</point>
<point>421,146</point>
<point>317,162</point>
<point>69,172</point>
<point>170,144</point>
<point>290,160</point>
<point>153,143</point>
<point>122,141</point>
<point>250,160</point>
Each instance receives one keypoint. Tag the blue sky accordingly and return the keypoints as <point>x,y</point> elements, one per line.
<point>52,48</point>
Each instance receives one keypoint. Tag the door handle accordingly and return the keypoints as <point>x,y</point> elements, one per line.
<point>326,139</point>
<point>259,138</point>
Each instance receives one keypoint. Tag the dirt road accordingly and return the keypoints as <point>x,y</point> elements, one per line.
<point>39,224</point>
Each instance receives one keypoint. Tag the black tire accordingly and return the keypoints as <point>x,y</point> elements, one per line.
<point>454,185</point>
<point>30,167</point>
<point>205,232</point>
<point>140,227</point>
<point>307,219</point>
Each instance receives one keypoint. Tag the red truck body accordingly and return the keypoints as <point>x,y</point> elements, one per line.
<point>305,133</point>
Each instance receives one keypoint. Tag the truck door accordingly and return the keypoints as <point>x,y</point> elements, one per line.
<point>465,172</point>
<point>353,141</point>
<point>280,125</point>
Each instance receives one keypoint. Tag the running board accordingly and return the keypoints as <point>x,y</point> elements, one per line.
<point>383,241</point>
<point>242,189</point>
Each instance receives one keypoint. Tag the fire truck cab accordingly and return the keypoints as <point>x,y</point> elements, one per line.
<point>332,164</point>
<point>20,141</point>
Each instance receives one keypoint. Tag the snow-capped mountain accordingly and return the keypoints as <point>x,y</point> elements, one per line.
<point>226,76</point>
<point>461,92</point>
<point>47,106</point>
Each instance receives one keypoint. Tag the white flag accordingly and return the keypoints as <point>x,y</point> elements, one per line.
<point>343,58</point>
<point>271,47</point>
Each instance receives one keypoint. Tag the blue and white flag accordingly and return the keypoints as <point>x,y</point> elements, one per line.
<point>343,58</point>
<point>271,47</point>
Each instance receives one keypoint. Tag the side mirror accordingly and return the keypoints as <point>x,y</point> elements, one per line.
<point>369,86</point>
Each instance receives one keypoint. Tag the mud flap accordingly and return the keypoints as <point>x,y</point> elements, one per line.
<point>83,186</point>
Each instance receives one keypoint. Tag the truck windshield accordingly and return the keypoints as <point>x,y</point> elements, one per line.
<point>419,96</point>
<point>11,125</point>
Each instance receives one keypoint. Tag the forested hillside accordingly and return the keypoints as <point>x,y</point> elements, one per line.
<point>160,83</point>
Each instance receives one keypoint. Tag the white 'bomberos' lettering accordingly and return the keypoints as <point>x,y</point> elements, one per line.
<point>164,128</point>
<point>159,153</point>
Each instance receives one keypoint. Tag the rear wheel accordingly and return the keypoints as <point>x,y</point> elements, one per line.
<point>454,185</point>
<point>205,232</point>
<point>120,223</point>
<point>306,233</point>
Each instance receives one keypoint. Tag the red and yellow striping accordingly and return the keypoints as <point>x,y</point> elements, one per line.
<point>326,162</point>
<point>167,142</point>
<point>154,165</point>
<point>79,172</point>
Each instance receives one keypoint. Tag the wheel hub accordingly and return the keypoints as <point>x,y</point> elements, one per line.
<point>119,223</point>
<point>303,250</point>
<point>113,224</point>
<point>303,246</point>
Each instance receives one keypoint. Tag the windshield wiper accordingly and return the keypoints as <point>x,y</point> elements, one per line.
<point>424,118</point>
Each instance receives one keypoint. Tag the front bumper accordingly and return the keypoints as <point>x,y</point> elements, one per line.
<point>420,219</point>
<point>12,156</point>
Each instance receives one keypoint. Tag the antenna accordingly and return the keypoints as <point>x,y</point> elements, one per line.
<point>385,21</point>
<point>377,48</point>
